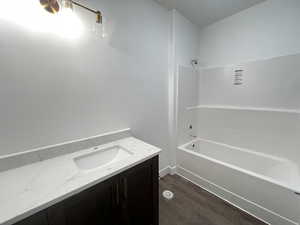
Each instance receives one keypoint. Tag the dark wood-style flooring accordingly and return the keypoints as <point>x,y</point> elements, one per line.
<point>195,206</point>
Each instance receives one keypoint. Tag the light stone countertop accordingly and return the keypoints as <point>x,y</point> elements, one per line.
<point>35,187</point>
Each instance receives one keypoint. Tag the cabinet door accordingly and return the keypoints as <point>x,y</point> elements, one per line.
<point>139,194</point>
<point>37,219</point>
<point>94,206</point>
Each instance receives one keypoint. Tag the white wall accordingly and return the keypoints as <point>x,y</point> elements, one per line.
<point>188,85</point>
<point>264,41</point>
<point>272,83</point>
<point>267,30</point>
<point>186,40</point>
<point>184,46</point>
<point>54,90</point>
<point>276,134</point>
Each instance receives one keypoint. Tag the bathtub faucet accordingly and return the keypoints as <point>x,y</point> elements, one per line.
<point>193,136</point>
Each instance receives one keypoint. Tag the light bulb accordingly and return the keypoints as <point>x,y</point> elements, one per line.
<point>69,24</point>
<point>31,15</point>
<point>98,29</point>
<point>66,4</point>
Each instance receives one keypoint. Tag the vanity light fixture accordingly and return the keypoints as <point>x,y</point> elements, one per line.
<point>54,6</point>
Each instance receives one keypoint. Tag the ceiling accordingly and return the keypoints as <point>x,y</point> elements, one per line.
<point>207,12</point>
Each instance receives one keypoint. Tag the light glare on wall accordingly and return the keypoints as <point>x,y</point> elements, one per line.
<point>29,14</point>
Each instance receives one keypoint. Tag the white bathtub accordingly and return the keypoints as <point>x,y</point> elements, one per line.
<point>262,185</point>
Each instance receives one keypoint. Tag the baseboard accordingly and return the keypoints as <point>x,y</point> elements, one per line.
<point>168,170</point>
<point>164,172</point>
<point>173,170</point>
<point>239,202</point>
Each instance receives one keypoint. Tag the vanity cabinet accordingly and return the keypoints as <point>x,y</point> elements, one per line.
<point>37,219</point>
<point>139,195</point>
<point>94,206</point>
<point>130,198</point>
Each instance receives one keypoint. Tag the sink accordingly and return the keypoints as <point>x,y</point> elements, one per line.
<point>102,158</point>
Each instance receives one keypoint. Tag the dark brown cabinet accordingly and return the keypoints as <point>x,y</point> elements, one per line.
<point>139,205</point>
<point>37,219</point>
<point>130,198</point>
<point>92,207</point>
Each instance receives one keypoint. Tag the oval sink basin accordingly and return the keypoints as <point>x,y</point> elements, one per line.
<point>101,158</point>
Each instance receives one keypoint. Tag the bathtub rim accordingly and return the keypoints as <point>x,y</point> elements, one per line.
<point>291,188</point>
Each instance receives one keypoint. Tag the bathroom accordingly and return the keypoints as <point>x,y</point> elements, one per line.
<point>147,112</point>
